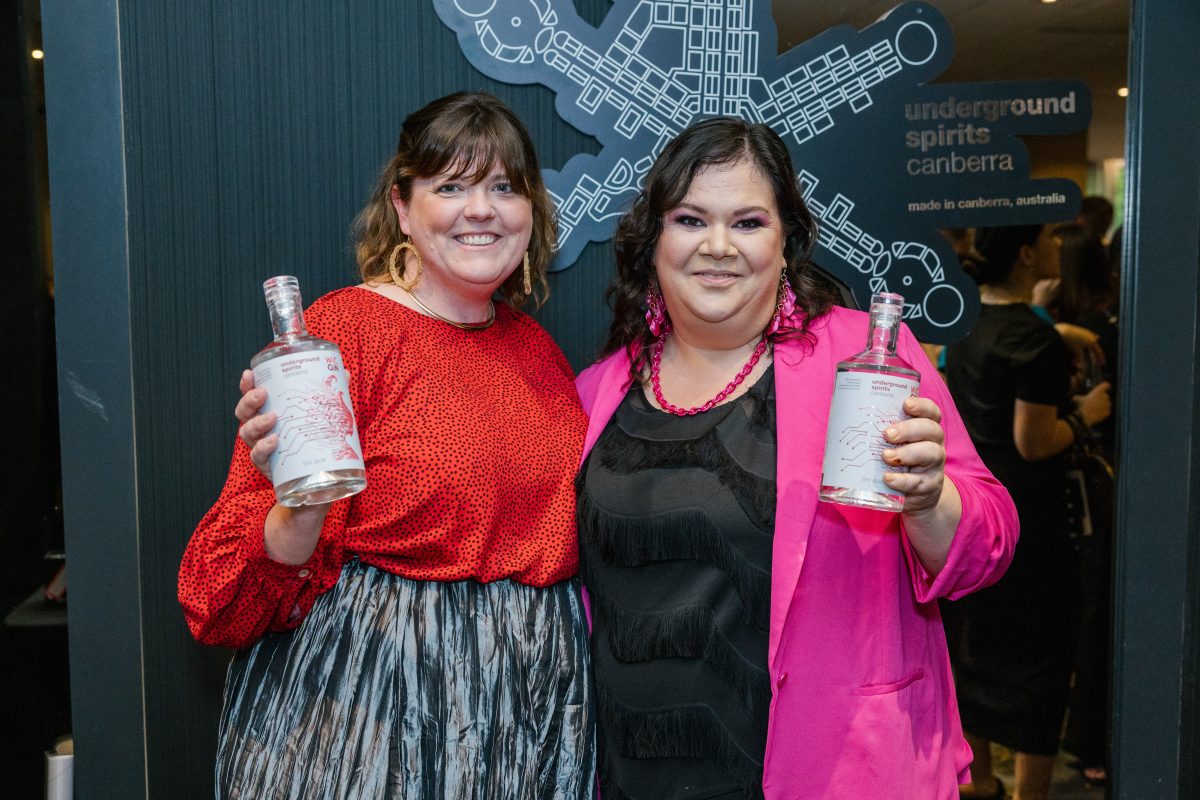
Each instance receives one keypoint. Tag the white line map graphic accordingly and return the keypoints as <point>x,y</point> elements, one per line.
<point>654,66</point>
<point>865,440</point>
<point>315,415</point>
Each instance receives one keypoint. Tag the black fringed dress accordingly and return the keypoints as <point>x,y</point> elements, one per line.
<point>676,520</point>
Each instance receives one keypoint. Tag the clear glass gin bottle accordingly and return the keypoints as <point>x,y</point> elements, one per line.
<point>868,396</point>
<point>318,459</point>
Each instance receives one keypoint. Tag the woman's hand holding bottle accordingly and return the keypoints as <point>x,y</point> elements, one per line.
<point>256,428</point>
<point>917,445</point>
<point>291,533</point>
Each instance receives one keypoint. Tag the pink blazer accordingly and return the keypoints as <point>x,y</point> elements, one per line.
<point>863,701</point>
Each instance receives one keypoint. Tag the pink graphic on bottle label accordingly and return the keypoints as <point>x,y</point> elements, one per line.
<point>864,405</point>
<point>309,393</point>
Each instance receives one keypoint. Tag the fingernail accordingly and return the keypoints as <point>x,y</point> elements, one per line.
<point>891,433</point>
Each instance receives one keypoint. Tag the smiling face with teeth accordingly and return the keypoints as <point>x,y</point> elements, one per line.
<point>471,233</point>
<point>720,254</point>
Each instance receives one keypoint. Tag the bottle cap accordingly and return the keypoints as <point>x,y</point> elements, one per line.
<point>281,283</point>
<point>281,287</point>
<point>887,304</point>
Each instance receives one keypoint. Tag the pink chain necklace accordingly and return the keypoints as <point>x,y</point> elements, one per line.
<point>656,368</point>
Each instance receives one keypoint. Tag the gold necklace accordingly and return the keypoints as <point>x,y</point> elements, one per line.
<point>466,326</point>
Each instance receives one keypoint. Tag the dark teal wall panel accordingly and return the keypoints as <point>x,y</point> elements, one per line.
<point>1158,510</point>
<point>96,398</point>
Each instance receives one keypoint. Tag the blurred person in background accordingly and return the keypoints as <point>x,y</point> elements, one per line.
<point>1087,297</point>
<point>1013,643</point>
<point>1095,216</point>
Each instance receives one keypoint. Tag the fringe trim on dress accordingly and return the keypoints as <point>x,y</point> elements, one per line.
<point>690,632</point>
<point>688,732</point>
<point>756,495</point>
<point>686,534</point>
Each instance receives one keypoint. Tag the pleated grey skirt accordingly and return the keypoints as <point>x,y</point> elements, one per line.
<point>393,688</point>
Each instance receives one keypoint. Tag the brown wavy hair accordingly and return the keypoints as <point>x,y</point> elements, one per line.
<point>723,140</point>
<point>473,131</point>
<point>1087,283</point>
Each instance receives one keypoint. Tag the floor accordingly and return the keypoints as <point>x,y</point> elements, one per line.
<point>1067,784</point>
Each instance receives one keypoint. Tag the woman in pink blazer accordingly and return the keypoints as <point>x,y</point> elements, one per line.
<point>748,640</point>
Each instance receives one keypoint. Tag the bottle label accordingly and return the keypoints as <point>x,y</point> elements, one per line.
<point>864,405</point>
<point>309,393</point>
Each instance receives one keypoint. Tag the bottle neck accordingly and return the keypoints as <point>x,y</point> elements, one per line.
<point>287,316</point>
<point>881,336</point>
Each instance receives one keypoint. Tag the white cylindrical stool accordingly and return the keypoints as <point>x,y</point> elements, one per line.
<point>60,769</point>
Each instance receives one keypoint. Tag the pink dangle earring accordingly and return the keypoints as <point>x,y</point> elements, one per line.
<point>785,305</point>
<point>656,311</point>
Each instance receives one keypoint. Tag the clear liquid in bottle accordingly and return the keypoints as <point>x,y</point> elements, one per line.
<point>319,458</point>
<point>869,392</point>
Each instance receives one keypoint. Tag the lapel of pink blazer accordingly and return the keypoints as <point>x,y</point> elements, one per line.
<point>804,374</point>
<point>601,389</point>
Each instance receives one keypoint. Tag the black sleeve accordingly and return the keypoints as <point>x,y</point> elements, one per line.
<point>1045,376</point>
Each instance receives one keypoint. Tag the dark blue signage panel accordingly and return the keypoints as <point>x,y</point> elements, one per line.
<point>884,157</point>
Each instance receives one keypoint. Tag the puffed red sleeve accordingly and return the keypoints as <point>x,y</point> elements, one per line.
<point>987,532</point>
<point>231,591</point>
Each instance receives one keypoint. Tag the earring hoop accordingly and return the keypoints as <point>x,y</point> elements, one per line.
<point>528,285</point>
<point>397,273</point>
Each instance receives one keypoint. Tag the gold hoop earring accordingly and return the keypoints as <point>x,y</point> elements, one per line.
<point>528,277</point>
<point>397,273</point>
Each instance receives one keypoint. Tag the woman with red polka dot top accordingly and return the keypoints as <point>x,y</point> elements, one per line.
<point>424,638</point>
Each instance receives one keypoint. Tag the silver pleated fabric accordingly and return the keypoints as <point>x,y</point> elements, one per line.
<point>393,688</point>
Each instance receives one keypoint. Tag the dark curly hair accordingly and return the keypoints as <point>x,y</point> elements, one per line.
<point>472,130</point>
<point>723,140</point>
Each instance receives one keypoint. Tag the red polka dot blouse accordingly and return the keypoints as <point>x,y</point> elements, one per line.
<point>471,441</point>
